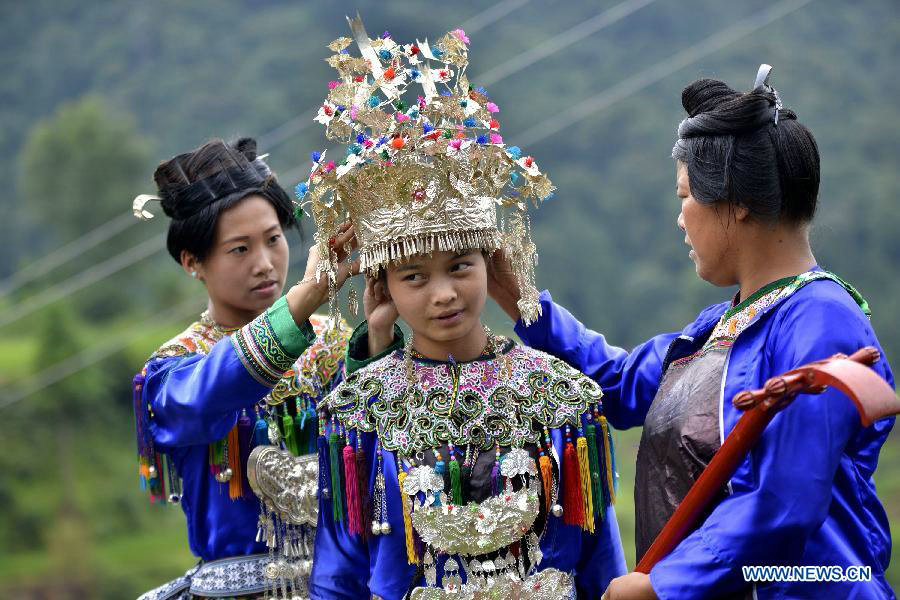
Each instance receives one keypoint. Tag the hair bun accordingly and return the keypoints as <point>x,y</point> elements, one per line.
<point>715,109</point>
<point>704,95</point>
<point>247,147</point>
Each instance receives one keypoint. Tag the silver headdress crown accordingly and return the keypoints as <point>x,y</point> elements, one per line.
<point>420,175</point>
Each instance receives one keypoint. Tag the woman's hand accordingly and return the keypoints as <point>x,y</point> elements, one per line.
<point>308,294</point>
<point>381,313</point>
<point>634,586</point>
<point>502,285</point>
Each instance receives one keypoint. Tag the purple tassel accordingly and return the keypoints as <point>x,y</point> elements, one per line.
<point>324,468</point>
<point>245,437</point>
<point>144,445</point>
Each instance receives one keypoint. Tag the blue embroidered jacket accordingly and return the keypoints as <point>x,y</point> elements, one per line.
<point>372,411</point>
<point>806,494</point>
<point>204,384</point>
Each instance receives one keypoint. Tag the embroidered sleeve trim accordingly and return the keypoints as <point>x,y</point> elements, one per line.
<point>261,349</point>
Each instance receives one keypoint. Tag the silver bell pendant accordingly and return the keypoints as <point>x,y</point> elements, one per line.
<point>223,476</point>
<point>376,528</point>
<point>557,510</point>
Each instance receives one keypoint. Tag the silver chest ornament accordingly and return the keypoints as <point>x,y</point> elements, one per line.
<point>481,528</point>
<point>287,487</point>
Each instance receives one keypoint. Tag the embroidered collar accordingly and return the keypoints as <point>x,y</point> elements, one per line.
<point>473,402</point>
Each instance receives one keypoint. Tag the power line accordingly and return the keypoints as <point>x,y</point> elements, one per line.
<point>491,15</point>
<point>560,41</point>
<point>481,20</point>
<point>66,253</point>
<point>269,140</point>
<point>292,127</point>
<point>657,72</point>
<point>83,279</point>
<point>641,81</point>
<point>86,358</point>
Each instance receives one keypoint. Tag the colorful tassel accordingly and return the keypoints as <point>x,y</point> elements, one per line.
<point>159,488</point>
<point>217,456</point>
<point>245,435</point>
<point>362,482</point>
<point>261,433</point>
<point>147,456</point>
<point>573,506</point>
<point>584,472</point>
<point>235,484</point>
<point>313,427</point>
<point>612,483</point>
<point>334,441</point>
<point>495,477</point>
<point>324,467</point>
<point>411,556</point>
<point>354,510</point>
<point>596,488</point>
<point>300,430</point>
<point>547,477</point>
<point>455,483</point>
<point>290,435</point>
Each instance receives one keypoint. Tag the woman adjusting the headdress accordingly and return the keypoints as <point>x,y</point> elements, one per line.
<point>249,372</point>
<point>747,181</point>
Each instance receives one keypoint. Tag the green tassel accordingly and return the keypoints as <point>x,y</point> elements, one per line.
<point>219,452</point>
<point>165,477</point>
<point>290,437</point>
<point>337,491</point>
<point>455,483</point>
<point>594,459</point>
<point>612,458</point>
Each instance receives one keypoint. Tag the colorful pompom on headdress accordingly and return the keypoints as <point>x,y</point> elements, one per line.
<point>426,168</point>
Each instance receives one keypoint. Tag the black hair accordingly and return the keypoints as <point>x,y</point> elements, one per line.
<point>747,150</point>
<point>195,188</point>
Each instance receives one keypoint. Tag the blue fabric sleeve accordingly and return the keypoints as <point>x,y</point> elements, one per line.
<point>629,379</point>
<point>602,557</point>
<point>783,490</point>
<point>197,399</point>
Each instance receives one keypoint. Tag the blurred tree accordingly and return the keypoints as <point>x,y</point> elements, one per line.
<point>79,165</point>
<point>79,169</point>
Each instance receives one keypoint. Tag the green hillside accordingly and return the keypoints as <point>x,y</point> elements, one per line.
<point>95,94</point>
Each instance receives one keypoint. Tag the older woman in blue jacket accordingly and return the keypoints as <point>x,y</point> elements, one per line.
<point>747,180</point>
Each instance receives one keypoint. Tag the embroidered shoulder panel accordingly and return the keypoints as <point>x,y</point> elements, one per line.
<point>729,329</point>
<point>313,373</point>
<point>199,338</point>
<point>505,400</point>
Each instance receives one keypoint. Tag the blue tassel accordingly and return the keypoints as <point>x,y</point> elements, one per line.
<point>261,433</point>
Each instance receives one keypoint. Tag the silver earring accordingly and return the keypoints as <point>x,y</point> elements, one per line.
<point>194,274</point>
